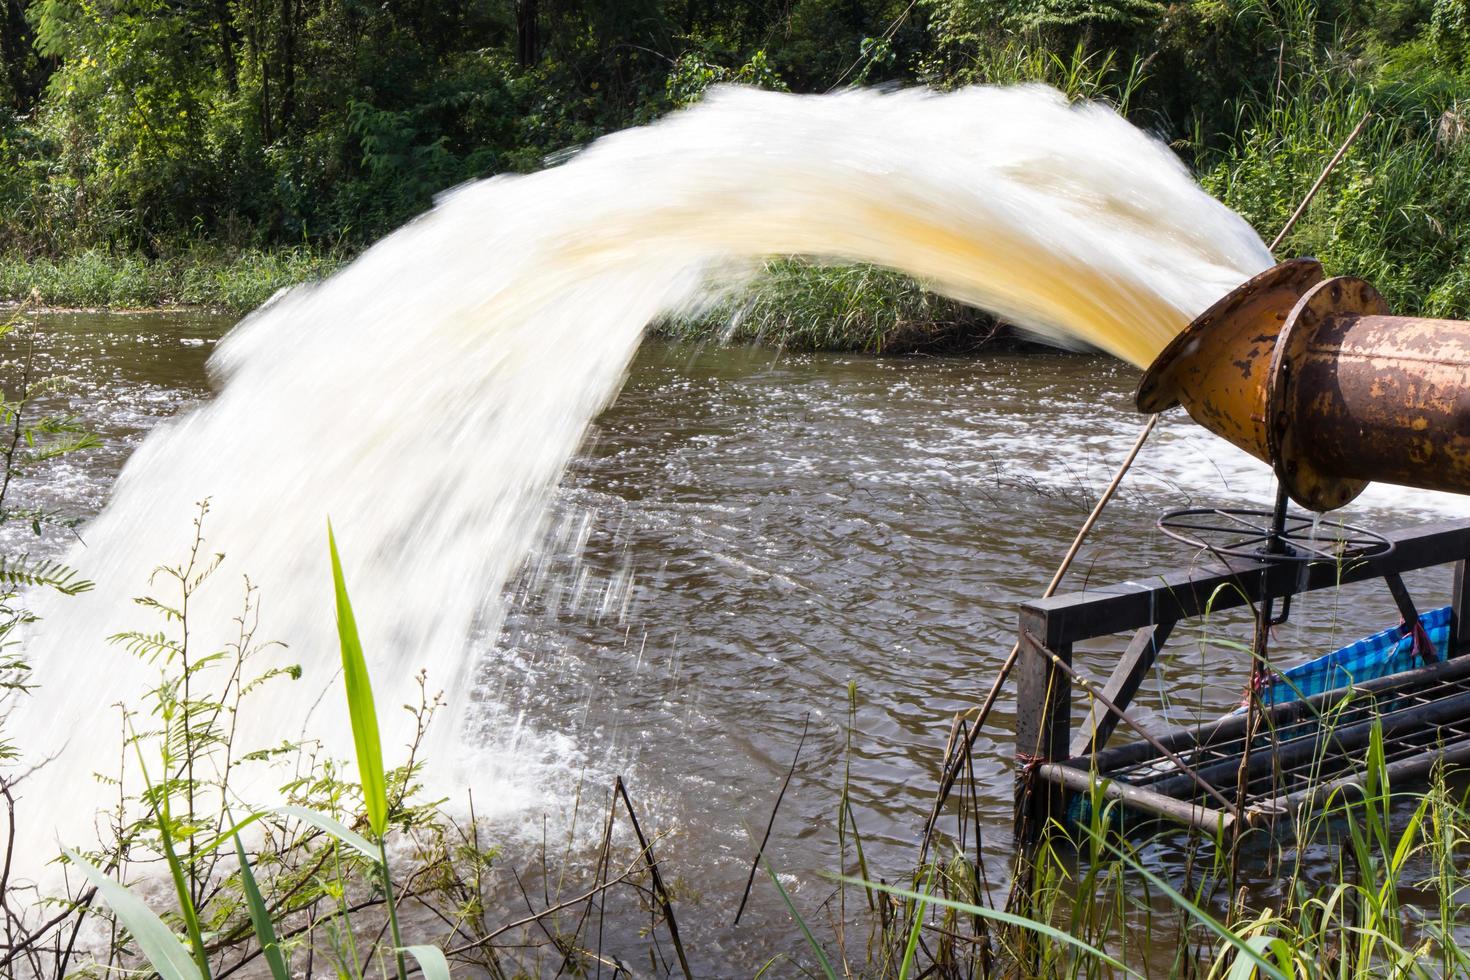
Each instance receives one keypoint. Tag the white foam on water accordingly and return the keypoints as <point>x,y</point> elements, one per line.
<point>428,396</point>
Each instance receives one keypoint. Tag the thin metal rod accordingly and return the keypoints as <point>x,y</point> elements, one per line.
<point>1322,179</point>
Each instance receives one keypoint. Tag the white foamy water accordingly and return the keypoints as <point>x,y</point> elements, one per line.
<point>428,397</point>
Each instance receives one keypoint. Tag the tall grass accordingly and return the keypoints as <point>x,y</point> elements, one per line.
<point>802,306</point>
<point>235,281</point>
<point>1095,901</point>
<point>1094,907</point>
<point>1394,211</point>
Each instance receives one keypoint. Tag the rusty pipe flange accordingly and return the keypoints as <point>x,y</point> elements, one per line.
<point>1288,445</point>
<point>1256,307</point>
<point>1218,367</point>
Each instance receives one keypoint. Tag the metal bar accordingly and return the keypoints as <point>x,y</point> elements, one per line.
<point>1043,722</point>
<point>1081,781</point>
<point>1028,640</point>
<point>1459,608</point>
<point>1305,732</point>
<point>1341,740</point>
<point>1126,678</point>
<point>1403,770</point>
<point>1043,705</point>
<point>1401,597</point>
<point>1237,519</point>
<point>1408,748</point>
<point>1222,731</point>
<point>1189,593</point>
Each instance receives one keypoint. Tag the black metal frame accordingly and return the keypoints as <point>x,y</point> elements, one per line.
<point>1050,627</point>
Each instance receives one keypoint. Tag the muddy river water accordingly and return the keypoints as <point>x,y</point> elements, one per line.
<point>744,535</point>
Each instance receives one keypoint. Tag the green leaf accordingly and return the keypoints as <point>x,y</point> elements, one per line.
<point>1244,968</point>
<point>431,961</point>
<point>260,917</point>
<point>28,572</point>
<point>204,849</point>
<point>176,870</point>
<point>997,915</point>
<point>1265,967</point>
<point>912,946</point>
<point>323,822</point>
<point>360,702</point>
<point>186,900</point>
<point>164,951</point>
<point>811,940</point>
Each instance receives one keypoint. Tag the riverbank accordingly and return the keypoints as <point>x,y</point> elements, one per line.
<point>232,281</point>
<point>794,305</point>
<point>802,306</point>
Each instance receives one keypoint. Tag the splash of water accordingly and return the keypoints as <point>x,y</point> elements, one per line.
<point>428,397</point>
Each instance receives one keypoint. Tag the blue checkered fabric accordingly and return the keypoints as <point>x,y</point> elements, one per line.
<point>1379,655</point>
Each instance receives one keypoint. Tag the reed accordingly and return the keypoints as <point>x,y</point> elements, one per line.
<point>800,306</point>
<point>234,281</point>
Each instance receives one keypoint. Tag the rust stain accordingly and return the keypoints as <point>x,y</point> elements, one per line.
<point>1345,392</point>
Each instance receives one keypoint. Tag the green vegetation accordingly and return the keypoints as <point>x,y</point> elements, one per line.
<point>1395,211</point>
<point>799,306</point>
<point>231,280</point>
<point>209,153</point>
<point>1091,906</point>
<point>157,153</point>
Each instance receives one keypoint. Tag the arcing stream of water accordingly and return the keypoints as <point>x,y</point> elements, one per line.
<point>428,397</point>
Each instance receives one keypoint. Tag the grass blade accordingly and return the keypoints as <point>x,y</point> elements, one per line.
<point>811,940</point>
<point>333,827</point>
<point>260,917</point>
<point>1263,945</point>
<point>912,946</point>
<point>364,713</point>
<point>164,817</point>
<point>158,943</point>
<point>1264,967</point>
<point>1008,918</point>
<point>360,704</point>
<point>204,849</point>
<point>431,961</point>
<point>186,900</point>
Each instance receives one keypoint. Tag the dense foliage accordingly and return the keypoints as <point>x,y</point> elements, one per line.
<point>154,127</point>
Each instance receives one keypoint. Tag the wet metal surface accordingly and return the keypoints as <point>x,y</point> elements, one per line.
<point>1385,398</point>
<point>1316,378</point>
<point>1220,366</point>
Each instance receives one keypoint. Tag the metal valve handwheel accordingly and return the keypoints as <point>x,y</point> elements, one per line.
<point>1249,534</point>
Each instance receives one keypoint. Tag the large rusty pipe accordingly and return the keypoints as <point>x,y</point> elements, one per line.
<point>1316,378</point>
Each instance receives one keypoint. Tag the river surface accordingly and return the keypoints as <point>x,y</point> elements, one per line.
<point>745,534</point>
